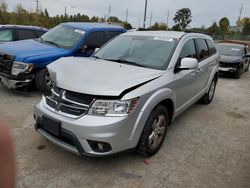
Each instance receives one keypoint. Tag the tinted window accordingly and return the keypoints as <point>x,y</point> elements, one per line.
<point>114,33</point>
<point>203,52</point>
<point>211,46</point>
<point>25,34</point>
<point>6,35</point>
<point>188,50</point>
<point>39,33</point>
<point>95,40</point>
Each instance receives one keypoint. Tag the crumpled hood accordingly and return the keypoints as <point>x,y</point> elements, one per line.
<point>25,49</point>
<point>98,77</point>
<point>230,59</point>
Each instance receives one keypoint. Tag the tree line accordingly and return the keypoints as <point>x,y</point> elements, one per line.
<point>182,19</point>
<point>21,16</point>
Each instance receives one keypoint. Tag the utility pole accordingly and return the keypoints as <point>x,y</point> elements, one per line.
<point>145,14</point>
<point>126,15</point>
<point>65,11</point>
<point>37,6</point>
<point>151,17</point>
<point>238,22</point>
<point>168,18</point>
<point>109,12</point>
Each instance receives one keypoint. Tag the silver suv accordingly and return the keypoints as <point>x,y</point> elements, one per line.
<point>126,95</point>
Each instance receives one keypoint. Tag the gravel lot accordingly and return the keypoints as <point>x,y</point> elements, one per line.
<point>207,146</point>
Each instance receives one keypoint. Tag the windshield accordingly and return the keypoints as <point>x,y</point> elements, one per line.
<point>63,36</point>
<point>229,50</point>
<point>146,51</point>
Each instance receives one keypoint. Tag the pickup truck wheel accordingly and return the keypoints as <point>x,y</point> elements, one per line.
<point>208,97</point>
<point>43,81</point>
<point>154,132</point>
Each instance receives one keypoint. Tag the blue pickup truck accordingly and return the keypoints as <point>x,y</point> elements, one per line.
<point>23,62</point>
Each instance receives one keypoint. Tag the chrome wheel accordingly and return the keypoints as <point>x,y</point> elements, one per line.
<point>158,132</point>
<point>212,90</point>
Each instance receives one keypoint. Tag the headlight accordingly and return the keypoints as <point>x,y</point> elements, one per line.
<point>19,67</point>
<point>113,107</point>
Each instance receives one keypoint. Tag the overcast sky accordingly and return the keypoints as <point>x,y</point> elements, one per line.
<point>204,12</point>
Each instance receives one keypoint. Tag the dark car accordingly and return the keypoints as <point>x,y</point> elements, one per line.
<point>234,58</point>
<point>10,33</point>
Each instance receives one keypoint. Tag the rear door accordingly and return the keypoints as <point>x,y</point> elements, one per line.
<point>205,62</point>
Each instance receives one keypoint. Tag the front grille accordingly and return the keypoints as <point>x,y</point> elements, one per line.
<point>6,62</point>
<point>228,65</point>
<point>69,103</point>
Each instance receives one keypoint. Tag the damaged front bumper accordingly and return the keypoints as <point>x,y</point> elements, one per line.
<point>15,82</point>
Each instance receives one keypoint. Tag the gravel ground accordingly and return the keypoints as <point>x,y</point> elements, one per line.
<point>206,146</point>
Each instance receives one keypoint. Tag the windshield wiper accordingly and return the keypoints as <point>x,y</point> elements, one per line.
<point>124,61</point>
<point>50,42</point>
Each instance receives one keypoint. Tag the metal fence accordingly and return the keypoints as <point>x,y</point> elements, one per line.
<point>231,37</point>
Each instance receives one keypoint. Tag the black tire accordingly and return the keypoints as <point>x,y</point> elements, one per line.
<point>237,73</point>
<point>42,82</point>
<point>247,69</point>
<point>208,97</point>
<point>145,146</point>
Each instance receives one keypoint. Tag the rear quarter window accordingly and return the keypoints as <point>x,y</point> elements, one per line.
<point>114,33</point>
<point>202,47</point>
<point>211,46</point>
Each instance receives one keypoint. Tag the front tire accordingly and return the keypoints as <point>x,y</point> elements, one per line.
<point>154,132</point>
<point>43,81</point>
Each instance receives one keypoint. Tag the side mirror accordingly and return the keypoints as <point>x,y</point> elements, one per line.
<point>246,56</point>
<point>96,50</point>
<point>188,63</point>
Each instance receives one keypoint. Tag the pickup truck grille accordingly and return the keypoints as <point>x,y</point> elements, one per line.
<point>69,103</point>
<point>6,62</point>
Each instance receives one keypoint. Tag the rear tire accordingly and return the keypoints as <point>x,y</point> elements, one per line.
<point>43,81</point>
<point>247,69</point>
<point>208,97</point>
<point>154,132</point>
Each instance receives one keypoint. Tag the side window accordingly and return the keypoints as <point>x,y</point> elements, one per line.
<point>39,33</point>
<point>212,49</point>
<point>22,34</point>
<point>6,35</point>
<point>203,51</point>
<point>188,50</point>
<point>114,33</point>
<point>95,40</point>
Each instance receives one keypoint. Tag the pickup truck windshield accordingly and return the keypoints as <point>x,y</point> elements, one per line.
<point>229,50</point>
<point>62,36</point>
<point>145,51</point>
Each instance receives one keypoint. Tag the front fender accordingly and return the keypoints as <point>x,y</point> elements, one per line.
<point>154,99</point>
